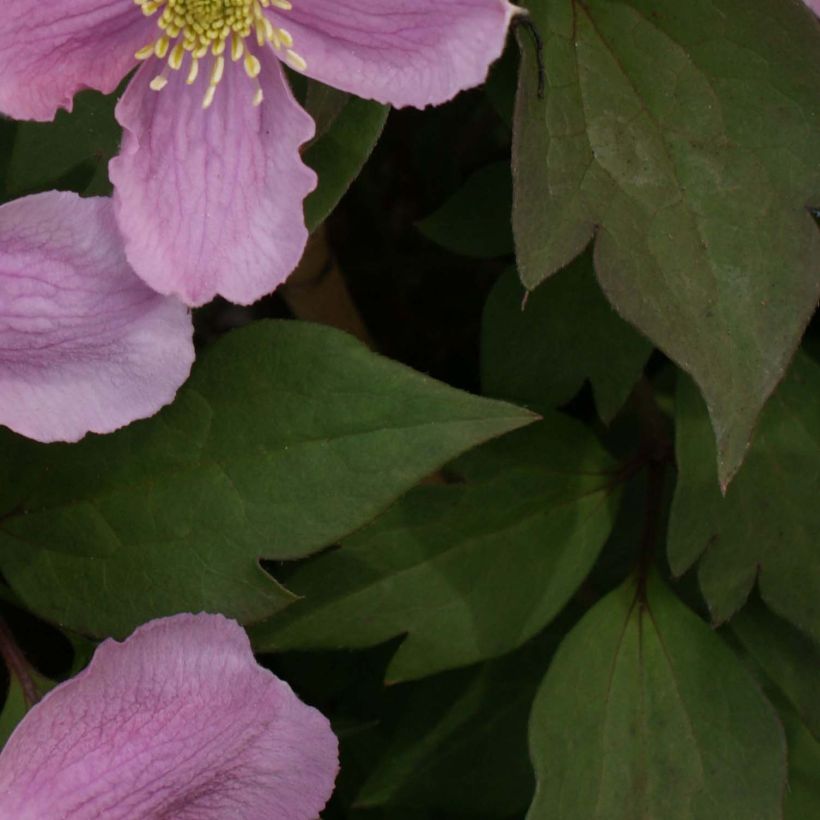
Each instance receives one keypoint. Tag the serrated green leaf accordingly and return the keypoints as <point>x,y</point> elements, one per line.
<point>76,145</point>
<point>287,437</point>
<point>788,657</point>
<point>766,528</point>
<point>469,571</point>
<point>350,128</point>
<point>540,352</point>
<point>475,220</point>
<point>691,159</point>
<point>645,713</point>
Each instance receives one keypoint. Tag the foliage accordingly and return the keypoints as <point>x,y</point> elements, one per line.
<point>494,539</point>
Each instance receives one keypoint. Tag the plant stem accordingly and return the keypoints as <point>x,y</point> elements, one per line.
<point>17,664</point>
<point>658,453</point>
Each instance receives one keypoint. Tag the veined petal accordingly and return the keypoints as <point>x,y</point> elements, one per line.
<point>178,721</point>
<point>210,201</point>
<point>402,52</point>
<point>51,49</point>
<point>84,344</point>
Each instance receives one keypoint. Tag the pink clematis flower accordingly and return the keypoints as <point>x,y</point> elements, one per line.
<point>178,721</point>
<point>209,183</point>
<point>85,345</point>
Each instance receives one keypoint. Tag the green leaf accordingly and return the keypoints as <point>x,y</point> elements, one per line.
<point>766,527</point>
<point>460,744</point>
<point>475,221</point>
<point>324,104</point>
<point>75,148</point>
<point>348,129</point>
<point>645,713</point>
<point>469,571</point>
<point>8,134</point>
<point>788,658</point>
<point>15,707</point>
<point>287,437</point>
<point>802,800</point>
<point>691,159</point>
<point>540,352</point>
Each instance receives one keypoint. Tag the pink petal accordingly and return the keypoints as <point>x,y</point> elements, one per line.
<point>814,5</point>
<point>210,201</point>
<point>50,49</point>
<point>84,344</point>
<point>178,721</point>
<point>402,52</point>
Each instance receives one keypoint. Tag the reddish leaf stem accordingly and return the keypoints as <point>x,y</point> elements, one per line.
<point>17,664</point>
<point>658,452</point>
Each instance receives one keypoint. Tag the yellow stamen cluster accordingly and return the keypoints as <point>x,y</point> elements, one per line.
<point>202,28</point>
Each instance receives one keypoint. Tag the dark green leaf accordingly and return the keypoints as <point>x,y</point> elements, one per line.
<point>788,657</point>
<point>803,792</point>
<point>475,221</point>
<point>683,136</point>
<point>324,104</point>
<point>460,746</point>
<point>351,129</point>
<point>287,437</point>
<point>766,528</point>
<point>645,713</point>
<point>541,351</point>
<point>468,571</point>
<point>77,145</point>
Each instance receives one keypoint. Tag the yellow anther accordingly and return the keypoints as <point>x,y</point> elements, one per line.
<point>201,28</point>
<point>176,56</point>
<point>295,61</point>
<point>252,66</point>
<point>217,70</point>
<point>161,47</point>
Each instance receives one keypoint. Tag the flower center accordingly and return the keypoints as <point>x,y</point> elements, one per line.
<point>200,29</point>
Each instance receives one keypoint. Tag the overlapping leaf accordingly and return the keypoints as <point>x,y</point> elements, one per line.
<point>645,713</point>
<point>540,351</point>
<point>766,528</point>
<point>287,437</point>
<point>788,658</point>
<point>469,571</point>
<point>75,148</point>
<point>803,793</point>
<point>683,136</point>
<point>347,131</point>
<point>460,743</point>
<point>475,221</point>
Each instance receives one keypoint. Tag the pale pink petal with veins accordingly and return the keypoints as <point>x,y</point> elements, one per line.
<point>85,345</point>
<point>209,202</point>
<point>177,722</point>
<point>51,50</point>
